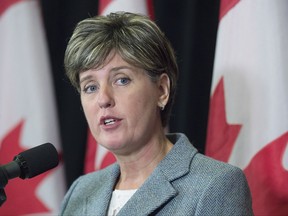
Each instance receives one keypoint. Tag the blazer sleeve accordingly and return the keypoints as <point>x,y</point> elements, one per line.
<point>226,194</point>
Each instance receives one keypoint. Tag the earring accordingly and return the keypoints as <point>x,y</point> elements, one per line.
<point>162,107</point>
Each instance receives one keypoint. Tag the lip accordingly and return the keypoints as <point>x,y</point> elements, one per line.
<point>109,126</point>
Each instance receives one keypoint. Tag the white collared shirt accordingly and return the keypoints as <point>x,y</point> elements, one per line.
<point>118,200</point>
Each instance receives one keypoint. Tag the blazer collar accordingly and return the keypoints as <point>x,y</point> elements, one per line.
<point>178,161</point>
<point>158,188</point>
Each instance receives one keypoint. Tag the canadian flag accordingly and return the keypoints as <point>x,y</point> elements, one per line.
<point>248,119</point>
<point>98,157</point>
<point>27,107</point>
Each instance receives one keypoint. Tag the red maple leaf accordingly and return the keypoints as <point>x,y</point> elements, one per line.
<point>268,179</point>
<point>91,153</point>
<point>221,136</point>
<point>21,194</point>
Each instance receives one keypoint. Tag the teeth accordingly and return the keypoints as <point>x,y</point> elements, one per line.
<point>109,121</point>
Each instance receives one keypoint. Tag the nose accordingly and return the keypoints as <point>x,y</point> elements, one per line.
<point>105,97</point>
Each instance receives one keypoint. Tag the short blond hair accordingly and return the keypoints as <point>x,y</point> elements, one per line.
<point>136,38</point>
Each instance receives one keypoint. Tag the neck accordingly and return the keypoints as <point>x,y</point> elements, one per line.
<point>136,168</point>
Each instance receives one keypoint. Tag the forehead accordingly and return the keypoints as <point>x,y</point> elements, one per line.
<point>113,63</point>
<point>112,60</point>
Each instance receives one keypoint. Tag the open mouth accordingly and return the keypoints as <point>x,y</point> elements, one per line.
<point>109,121</point>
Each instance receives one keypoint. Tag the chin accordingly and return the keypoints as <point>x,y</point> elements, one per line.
<point>112,144</point>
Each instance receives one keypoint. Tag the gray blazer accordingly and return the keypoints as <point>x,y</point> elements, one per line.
<point>184,183</point>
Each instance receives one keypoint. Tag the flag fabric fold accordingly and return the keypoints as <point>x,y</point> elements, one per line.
<point>248,118</point>
<point>27,107</point>
<point>96,156</point>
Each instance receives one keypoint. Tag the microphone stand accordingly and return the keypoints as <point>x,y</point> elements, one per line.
<point>3,197</point>
<point>5,175</point>
<point>3,183</point>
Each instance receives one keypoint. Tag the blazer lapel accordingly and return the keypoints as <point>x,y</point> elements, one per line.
<point>100,205</point>
<point>155,192</point>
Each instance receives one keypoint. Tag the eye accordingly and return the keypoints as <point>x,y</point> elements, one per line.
<point>90,89</point>
<point>123,81</point>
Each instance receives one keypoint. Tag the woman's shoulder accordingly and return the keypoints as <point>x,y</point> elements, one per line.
<point>200,161</point>
<point>94,181</point>
<point>211,166</point>
<point>217,173</point>
<point>86,186</point>
<point>200,164</point>
<point>98,175</point>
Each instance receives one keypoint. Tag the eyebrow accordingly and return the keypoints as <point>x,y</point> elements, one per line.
<point>120,68</point>
<point>114,69</point>
<point>85,78</point>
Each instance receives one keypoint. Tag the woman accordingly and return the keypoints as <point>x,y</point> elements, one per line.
<point>125,70</point>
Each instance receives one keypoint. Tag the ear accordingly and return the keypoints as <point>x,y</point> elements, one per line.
<point>164,90</point>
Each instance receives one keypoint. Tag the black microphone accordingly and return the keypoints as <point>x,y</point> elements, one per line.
<point>31,162</point>
<point>28,164</point>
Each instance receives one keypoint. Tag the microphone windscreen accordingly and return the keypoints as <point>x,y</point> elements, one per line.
<point>40,159</point>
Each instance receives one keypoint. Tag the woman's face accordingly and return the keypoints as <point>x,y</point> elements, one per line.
<point>121,105</point>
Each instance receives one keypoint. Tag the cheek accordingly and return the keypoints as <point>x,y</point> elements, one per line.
<point>142,103</point>
<point>89,109</point>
